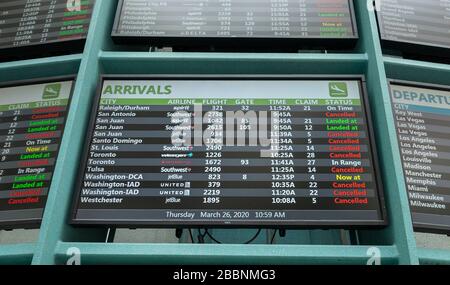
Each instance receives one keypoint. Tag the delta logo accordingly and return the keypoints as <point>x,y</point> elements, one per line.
<point>338,89</point>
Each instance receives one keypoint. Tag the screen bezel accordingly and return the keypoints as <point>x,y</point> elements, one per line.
<point>245,42</point>
<point>411,47</point>
<point>54,46</point>
<point>348,224</point>
<point>35,223</point>
<point>419,227</point>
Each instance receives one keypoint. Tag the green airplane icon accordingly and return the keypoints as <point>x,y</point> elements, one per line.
<point>335,88</point>
<point>338,89</point>
<point>51,91</point>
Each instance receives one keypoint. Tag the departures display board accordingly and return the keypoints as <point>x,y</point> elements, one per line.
<point>416,22</point>
<point>25,23</point>
<point>32,120</point>
<point>220,151</point>
<point>422,116</point>
<point>176,22</point>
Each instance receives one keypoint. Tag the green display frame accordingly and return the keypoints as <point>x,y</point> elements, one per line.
<point>61,243</point>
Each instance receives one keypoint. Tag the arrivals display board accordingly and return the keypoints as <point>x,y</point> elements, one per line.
<point>32,119</point>
<point>422,117</point>
<point>411,24</point>
<point>230,151</point>
<point>215,22</point>
<point>25,23</point>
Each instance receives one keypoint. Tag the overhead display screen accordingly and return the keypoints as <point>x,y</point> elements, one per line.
<point>26,23</point>
<point>227,151</point>
<point>425,23</point>
<point>422,116</point>
<point>32,119</point>
<point>171,20</point>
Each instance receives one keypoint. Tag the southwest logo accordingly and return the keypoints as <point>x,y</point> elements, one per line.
<point>338,89</point>
<point>51,91</point>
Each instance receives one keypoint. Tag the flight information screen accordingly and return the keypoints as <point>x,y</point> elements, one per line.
<point>422,116</point>
<point>236,19</point>
<point>32,119</point>
<point>418,22</point>
<point>38,22</point>
<point>253,151</point>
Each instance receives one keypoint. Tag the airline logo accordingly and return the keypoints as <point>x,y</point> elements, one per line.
<point>338,89</point>
<point>51,91</point>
